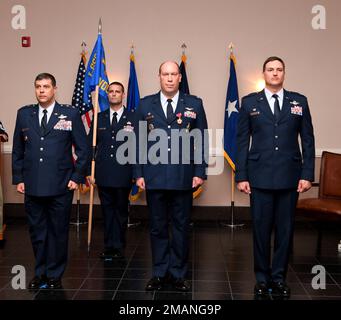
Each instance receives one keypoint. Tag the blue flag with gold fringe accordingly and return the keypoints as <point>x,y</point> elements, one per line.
<point>96,75</point>
<point>133,100</point>
<point>231,115</point>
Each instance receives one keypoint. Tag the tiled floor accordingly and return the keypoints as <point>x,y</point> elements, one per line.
<point>220,265</point>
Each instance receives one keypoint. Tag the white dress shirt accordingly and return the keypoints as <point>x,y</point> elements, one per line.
<point>119,114</point>
<point>49,112</point>
<point>164,102</point>
<point>271,99</point>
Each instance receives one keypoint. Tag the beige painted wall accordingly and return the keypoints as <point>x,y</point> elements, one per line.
<point>258,28</point>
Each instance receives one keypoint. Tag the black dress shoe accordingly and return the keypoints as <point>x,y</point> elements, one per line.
<point>261,289</point>
<point>280,289</point>
<point>54,283</point>
<point>182,285</point>
<point>37,283</point>
<point>155,283</point>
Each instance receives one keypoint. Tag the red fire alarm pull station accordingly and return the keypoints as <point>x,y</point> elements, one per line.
<point>26,42</point>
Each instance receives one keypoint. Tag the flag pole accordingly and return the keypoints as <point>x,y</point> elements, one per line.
<point>94,142</point>
<point>77,223</point>
<point>130,224</point>
<point>232,224</point>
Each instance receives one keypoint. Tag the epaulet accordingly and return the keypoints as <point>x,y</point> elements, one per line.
<point>29,106</point>
<point>147,97</point>
<point>191,96</point>
<point>66,105</point>
<point>251,95</point>
<point>297,94</point>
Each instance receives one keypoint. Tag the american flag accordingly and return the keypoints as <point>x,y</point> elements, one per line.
<point>85,109</point>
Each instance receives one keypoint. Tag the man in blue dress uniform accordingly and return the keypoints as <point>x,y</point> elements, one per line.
<point>43,170</point>
<point>273,171</point>
<point>169,168</point>
<point>113,174</point>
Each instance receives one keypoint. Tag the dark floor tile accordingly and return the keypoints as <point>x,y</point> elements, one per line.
<point>241,276</point>
<point>210,275</point>
<point>159,295</point>
<point>138,274</point>
<point>307,278</point>
<point>93,295</point>
<point>239,296</point>
<point>106,273</point>
<point>112,264</point>
<point>336,278</point>
<point>330,260</point>
<point>5,281</point>
<point>10,294</point>
<point>100,284</point>
<point>132,285</point>
<point>134,295</point>
<point>140,263</point>
<point>82,263</point>
<point>299,297</point>
<point>333,268</point>
<point>302,267</point>
<point>303,260</point>
<point>242,287</point>
<point>77,272</point>
<point>72,283</point>
<point>239,267</point>
<point>211,286</point>
<point>55,294</point>
<point>331,290</point>
<point>326,298</point>
<point>211,296</point>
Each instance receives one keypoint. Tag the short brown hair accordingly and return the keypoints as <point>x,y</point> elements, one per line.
<point>45,75</point>
<point>117,84</point>
<point>273,58</point>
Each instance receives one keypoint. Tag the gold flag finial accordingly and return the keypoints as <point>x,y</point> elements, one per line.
<point>183,47</point>
<point>231,46</point>
<point>100,26</point>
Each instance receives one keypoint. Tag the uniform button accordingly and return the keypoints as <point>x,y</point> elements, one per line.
<point>168,137</point>
<point>169,149</point>
<point>112,147</point>
<point>276,124</point>
<point>169,127</point>
<point>41,149</point>
<point>111,156</point>
<point>276,148</point>
<point>113,138</point>
<point>42,138</point>
<point>41,159</point>
<point>276,137</point>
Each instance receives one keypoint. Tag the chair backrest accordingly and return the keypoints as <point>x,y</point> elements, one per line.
<point>330,176</point>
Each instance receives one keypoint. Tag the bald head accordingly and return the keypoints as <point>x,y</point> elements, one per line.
<point>170,77</point>
<point>166,63</point>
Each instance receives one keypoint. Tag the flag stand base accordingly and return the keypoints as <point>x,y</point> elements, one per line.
<point>77,223</point>
<point>135,224</point>
<point>232,224</point>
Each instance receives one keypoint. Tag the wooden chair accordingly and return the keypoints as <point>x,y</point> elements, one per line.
<point>327,206</point>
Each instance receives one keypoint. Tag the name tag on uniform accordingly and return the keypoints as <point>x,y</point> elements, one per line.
<point>64,125</point>
<point>296,110</point>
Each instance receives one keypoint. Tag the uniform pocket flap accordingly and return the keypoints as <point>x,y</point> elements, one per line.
<point>254,156</point>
